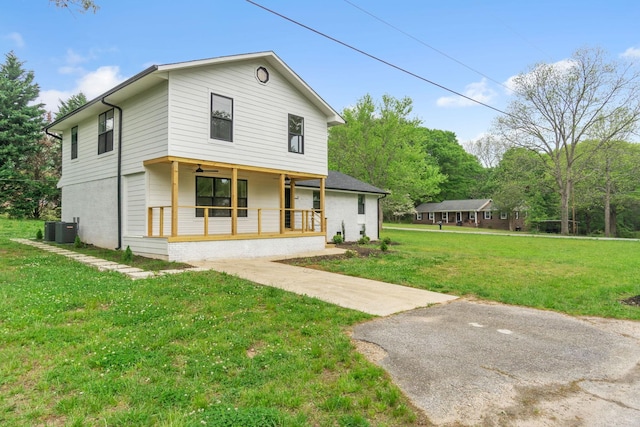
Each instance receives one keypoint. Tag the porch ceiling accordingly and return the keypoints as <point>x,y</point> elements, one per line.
<point>229,166</point>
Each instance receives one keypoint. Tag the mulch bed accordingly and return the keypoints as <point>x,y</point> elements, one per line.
<point>363,251</point>
<point>632,301</point>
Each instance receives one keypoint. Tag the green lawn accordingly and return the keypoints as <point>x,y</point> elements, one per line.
<point>575,276</point>
<point>80,347</point>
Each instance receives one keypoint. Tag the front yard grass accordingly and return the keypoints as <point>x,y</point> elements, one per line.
<point>574,276</point>
<point>81,347</point>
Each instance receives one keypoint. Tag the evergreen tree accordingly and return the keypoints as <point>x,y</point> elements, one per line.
<point>74,102</point>
<point>21,122</point>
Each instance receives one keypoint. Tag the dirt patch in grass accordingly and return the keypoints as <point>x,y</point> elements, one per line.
<point>632,301</point>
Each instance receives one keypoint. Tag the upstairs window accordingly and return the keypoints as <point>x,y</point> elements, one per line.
<point>212,191</point>
<point>361,204</point>
<point>105,132</point>
<point>221,117</point>
<point>296,134</point>
<point>74,142</point>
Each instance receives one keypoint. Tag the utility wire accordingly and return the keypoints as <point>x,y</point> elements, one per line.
<point>424,43</point>
<point>376,58</point>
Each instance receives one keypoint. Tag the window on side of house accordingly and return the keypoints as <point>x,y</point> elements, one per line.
<point>445,216</point>
<point>221,117</point>
<point>74,142</point>
<point>431,216</point>
<point>517,214</point>
<point>105,132</point>
<point>503,215</point>
<point>212,191</point>
<point>360,204</point>
<point>296,134</point>
<point>472,216</point>
<point>419,216</point>
<point>487,214</point>
<point>316,200</point>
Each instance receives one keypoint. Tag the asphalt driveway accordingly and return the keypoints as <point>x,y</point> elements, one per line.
<point>469,363</point>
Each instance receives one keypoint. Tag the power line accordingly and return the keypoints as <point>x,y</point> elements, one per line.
<point>424,43</point>
<point>376,58</point>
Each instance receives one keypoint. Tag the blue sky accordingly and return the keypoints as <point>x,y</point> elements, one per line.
<point>494,39</point>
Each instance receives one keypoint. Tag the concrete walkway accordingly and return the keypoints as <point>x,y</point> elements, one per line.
<point>369,296</point>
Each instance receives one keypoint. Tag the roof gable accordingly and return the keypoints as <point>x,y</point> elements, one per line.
<point>158,73</point>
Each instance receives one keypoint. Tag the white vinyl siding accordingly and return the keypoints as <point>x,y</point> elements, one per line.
<point>90,166</point>
<point>135,205</point>
<point>144,128</point>
<point>260,119</point>
<point>144,137</point>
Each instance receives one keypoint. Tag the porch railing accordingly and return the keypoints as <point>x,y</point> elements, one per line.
<point>257,221</point>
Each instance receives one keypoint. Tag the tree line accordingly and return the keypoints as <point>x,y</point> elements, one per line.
<point>559,152</point>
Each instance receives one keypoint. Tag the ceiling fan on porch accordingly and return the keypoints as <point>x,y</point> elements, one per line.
<point>200,170</point>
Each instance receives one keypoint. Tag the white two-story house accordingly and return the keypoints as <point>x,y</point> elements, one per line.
<point>200,160</point>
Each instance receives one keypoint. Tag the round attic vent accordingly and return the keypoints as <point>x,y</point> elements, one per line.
<point>262,74</point>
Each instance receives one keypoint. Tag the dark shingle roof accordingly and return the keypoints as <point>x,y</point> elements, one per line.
<point>340,181</point>
<point>456,206</point>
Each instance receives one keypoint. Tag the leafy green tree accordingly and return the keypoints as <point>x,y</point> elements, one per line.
<point>21,122</point>
<point>463,170</point>
<point>521,182</point>
<point>609,183</point>
<point>380,144</point>
<point>556,106</point>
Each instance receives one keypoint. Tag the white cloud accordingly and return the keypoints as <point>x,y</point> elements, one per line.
<point>16,38</point>
<point>480,91</point>
<point>91,83</point>
<point>631,53</point>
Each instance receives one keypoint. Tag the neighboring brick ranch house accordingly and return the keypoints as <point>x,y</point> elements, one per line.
<point>468,213</point>
<point>202,160</point>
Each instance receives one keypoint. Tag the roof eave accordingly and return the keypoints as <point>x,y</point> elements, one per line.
<point>126,83</point>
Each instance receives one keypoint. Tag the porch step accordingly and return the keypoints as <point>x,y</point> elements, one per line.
<point>330,245</point>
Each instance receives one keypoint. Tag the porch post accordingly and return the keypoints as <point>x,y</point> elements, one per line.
<point>292,204</point>
<point>234,201</point>
<point>323,226</point>
<point>174,198</point>
<point>282,203</point>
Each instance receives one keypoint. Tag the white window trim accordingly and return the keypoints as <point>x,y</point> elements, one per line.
<point>487,214</point>
<point>419,216</point>
<point>431,216</point>
<point>504,215</point>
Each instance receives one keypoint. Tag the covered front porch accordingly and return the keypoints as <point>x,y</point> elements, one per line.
<point>191,200</point>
